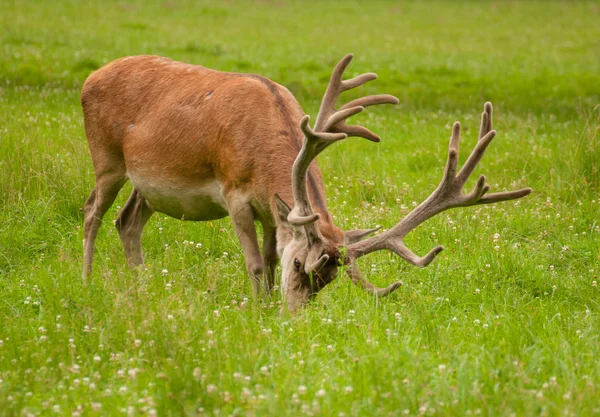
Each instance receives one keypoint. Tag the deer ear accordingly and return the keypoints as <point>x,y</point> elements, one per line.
<point>283,210</point>
<point>353,236</point>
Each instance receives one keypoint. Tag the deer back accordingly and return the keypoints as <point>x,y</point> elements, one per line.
<point>185,126</point>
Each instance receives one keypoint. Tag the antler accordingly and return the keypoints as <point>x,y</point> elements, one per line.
<point>447,195</point>
<point>331,120</point>
<point>329,128</point>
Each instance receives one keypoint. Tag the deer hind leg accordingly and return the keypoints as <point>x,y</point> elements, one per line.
<point>270,257</point>
<point>101,198</point>
<point>130,224</point>
<point>242,217</point>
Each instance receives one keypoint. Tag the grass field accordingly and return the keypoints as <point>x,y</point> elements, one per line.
<point>505,322</point>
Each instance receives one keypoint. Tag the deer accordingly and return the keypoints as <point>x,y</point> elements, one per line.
<point>199,144</point>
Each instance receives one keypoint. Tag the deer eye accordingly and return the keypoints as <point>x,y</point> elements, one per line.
<point>297,264</point>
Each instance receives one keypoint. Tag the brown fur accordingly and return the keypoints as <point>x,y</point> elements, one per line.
<point>189,125</point>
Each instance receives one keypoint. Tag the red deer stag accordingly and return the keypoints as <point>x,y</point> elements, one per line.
<point>199,144</point>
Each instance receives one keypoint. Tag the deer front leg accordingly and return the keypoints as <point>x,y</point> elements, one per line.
<point>242,217</point>
<point>270,257</point>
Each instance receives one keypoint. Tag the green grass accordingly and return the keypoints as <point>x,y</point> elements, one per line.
<point>505,321</point>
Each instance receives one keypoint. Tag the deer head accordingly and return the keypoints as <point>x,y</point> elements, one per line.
<point>310,261</point>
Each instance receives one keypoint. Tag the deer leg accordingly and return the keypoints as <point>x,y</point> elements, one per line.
<point>270,257</point>
<point>130,223</point>
<point>101,198</point>
<point>242,217</point>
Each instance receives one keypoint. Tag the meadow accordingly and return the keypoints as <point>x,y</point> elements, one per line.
<point>505,322</point>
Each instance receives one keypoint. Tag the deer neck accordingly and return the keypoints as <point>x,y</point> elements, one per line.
<point>316,193</point>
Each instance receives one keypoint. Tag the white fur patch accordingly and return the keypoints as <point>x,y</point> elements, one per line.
<point>202,202</point>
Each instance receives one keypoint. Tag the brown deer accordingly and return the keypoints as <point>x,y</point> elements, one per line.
<point>199,144</point>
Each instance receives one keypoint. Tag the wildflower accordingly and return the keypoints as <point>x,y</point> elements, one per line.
<point>321,393</point>
<point>137,343</point>
<point>211,388</point>
<point>164,272</point>
<point>301,390</point>
<point>348,389</point>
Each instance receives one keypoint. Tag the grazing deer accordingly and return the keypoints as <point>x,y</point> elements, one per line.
<point>199,144</point>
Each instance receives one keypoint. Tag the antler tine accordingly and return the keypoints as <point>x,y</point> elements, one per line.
<point>448,194</point>
<point>486,120</point>
<point>314,143</point>
<point>354,273</point>
<point>331,120</point>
